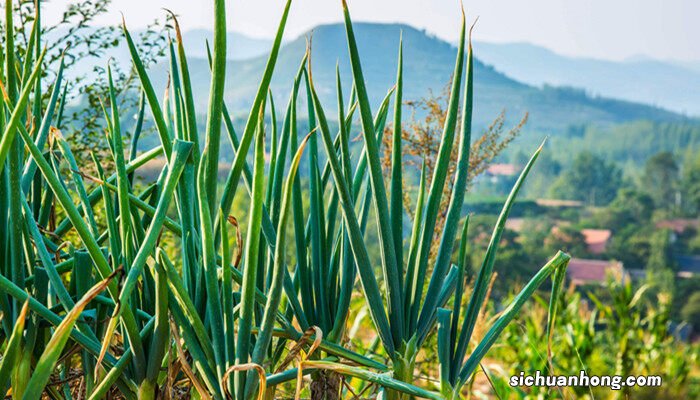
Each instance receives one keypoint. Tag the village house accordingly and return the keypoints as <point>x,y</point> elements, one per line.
<point>597,240</point>
<point>586,272</point>
<point>678,226</point>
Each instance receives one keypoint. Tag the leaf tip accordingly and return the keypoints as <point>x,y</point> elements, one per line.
<point>471,29</point>
<point>178,32</point>
<point>23,313</point>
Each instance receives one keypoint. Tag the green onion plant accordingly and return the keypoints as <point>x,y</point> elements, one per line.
<point>143,286</point>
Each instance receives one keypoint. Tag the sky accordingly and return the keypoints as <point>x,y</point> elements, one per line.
<point>605,29</point>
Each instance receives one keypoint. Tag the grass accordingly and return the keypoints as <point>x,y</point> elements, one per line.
<point>232,318</point>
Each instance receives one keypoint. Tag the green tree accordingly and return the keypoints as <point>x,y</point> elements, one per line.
<point>631,246</point>
<point>589,179</point>
<point>692,243</point>
<point>567,238</point>
<point>630,207</point>
<point>690,185</point>
<point>691,310</point>
<point>660,250</point>
<point>78,41</point>
<point>660,180</point>
<point>541,178</point>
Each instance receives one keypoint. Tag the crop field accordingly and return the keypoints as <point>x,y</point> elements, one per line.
<point>316,262</point>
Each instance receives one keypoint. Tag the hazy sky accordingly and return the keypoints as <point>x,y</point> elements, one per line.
<point>610,29</point>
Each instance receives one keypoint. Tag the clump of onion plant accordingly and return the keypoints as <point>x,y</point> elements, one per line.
<point>193,304</point>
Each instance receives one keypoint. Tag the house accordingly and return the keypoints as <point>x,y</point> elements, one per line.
<point>502,170</point>
<point>500,173</point>
<point>515,224</point>
<point>678,226</point>
<point>688,266</point>
<point>584,272</point>
<point>637,274</point>
<point>596,239</point>
<point>558,203</point>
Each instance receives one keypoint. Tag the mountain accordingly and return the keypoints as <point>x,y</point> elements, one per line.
<point>639,79</point>
<point>691,65</point>
<point>428,65</point>
<point>240,46</point>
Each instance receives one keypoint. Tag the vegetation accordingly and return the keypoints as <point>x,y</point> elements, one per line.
<point>636,341</point>
<point>691,311</point>
<point>222,317</point>
<point>590,179</point>
<point>190,287</point>
<point>421,141</point>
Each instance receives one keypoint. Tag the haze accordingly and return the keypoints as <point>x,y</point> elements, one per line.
<point>614,30</point>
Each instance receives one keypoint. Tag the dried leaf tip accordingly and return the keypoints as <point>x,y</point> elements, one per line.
<point>56,133</point>
<point>307,137</point>
<point>309,43</point>
<point>23,313</point>
<point>178,32</point>
<point>471,29</point>
<point>4,91</point>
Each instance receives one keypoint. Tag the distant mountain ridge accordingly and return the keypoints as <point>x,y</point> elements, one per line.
<point>672,85</point>
<point>428,65</point>
<point>240,46</point>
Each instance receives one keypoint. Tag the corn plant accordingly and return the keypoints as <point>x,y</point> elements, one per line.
<point>628,336</point>
<point>574,345</point>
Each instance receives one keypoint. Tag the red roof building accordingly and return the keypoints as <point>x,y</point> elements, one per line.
<point>582,272</point>
<point>502,170</point>
<point>678,225</point>
<point>596,239</point>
